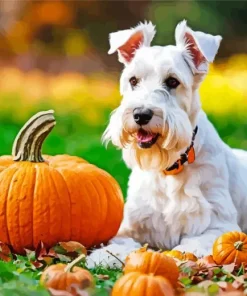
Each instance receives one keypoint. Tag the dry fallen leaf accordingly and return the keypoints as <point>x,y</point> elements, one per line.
<point>54,292</point>
<point>102,276</point>
<point>71,249</point>
<point>206,261</point>
<point>5,253</point>
<point>229,267</point>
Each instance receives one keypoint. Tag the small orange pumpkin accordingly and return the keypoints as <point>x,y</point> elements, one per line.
<point>139,284</point>
<point>63,277</point>
<point>54,198</point>
<point>181,256</point>
<point>230,247</point>
<point>149,262</point>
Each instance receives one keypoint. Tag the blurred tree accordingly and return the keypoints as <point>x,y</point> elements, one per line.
<point>79,29</point>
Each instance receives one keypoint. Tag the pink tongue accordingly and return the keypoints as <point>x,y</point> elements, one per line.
<point>143,136</point>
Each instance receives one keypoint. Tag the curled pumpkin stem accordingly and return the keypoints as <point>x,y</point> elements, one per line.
<point>28,143</point>
<point>238,245</point>
<point>69,267</point>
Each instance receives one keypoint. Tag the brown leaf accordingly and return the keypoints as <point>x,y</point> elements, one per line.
<point>48,260</point>
<point>210,274</point>
<point>197,279</point>
<point>78,290</point>
<point>102,276</point>
<point>5,253</point>
<point>206,261</point>
<point>40,255</point>
<point>229,287</point>
<point>233,293</point>
<point>194,294</point>
<point>40,251</point>
<point>71,249</point>
<point>229,267</point>
<point>222,285</point>
<point>37,264</point>
<point>206,284</point>
<point>237,284</point>
<point>55,292</point>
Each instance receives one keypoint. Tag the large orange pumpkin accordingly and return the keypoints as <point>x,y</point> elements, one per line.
<point>231,247</point>
<point>181,256</point>
<point>139,284</point>
<point>54,199</point>
<point>149,262</point>
<point>63,277</point>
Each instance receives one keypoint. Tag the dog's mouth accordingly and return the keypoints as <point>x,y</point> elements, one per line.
<point>146,139</point>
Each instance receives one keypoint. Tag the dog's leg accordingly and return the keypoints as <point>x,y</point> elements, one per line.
<point>202,245</point>
<point>118,248</point>
<point>112,255</point>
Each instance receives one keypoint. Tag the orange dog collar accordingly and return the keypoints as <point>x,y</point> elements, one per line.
<point>188,156</point>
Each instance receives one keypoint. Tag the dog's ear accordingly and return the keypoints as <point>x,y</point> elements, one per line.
<point>126,42</point>
<point>199,48</point>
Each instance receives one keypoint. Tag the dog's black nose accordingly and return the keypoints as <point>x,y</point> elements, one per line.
<point>142,116</point>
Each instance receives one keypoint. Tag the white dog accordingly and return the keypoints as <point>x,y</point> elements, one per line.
<point>186,187</point>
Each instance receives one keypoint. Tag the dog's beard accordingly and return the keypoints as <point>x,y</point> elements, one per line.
<point>173,135</point>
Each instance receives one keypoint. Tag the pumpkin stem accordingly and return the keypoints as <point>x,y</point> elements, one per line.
<point>69,267</point>
<point>238,245</point>
<point>28,143</point>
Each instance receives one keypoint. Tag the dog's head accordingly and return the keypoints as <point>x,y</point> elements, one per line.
<point>159,84</point>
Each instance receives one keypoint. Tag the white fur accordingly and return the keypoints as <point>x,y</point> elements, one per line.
<point>190,210</point>
<point>119,38</point>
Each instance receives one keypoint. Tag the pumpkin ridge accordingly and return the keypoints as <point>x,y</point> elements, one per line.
<point>19,220</point>
<point>148,285</point>
<point>143,284</point>
<point>101,196</point>
<point>132,284</point>
<point>145,262</point>
<point>225,250</point>
<point>152,262</point>
<point>58,195</point>
<point>232,257</point>
<point>99,206</point>
<point>49,207</point>
<point>62,176</point>
<point>91,208</point>
<point>243,238</point>
<point>6,205</point>
<point>59,280</point>
<point>112,188</point>
<point>34,187</point>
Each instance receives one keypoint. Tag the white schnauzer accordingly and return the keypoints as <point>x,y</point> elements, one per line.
<point>186,187</point>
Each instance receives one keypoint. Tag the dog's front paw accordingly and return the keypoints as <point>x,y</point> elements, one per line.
<point>112,255</point>
<point>194,247</point>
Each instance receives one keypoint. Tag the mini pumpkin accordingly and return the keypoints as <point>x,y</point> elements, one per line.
<point>186,256</point>
<point>149,262</point>
<point>139,284</point>
<point>54,198</point>
<point>63,277</point>
<point>231,247</point>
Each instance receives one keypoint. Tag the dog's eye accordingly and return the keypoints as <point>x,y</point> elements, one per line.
<point>172,82</point>
<point>133,81</point>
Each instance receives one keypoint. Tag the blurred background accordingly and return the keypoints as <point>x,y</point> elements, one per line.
<point>53,55</point>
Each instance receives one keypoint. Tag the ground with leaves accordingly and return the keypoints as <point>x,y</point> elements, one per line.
<point>19,275</point>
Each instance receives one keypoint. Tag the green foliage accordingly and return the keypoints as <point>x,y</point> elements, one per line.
<point>19,278</point>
